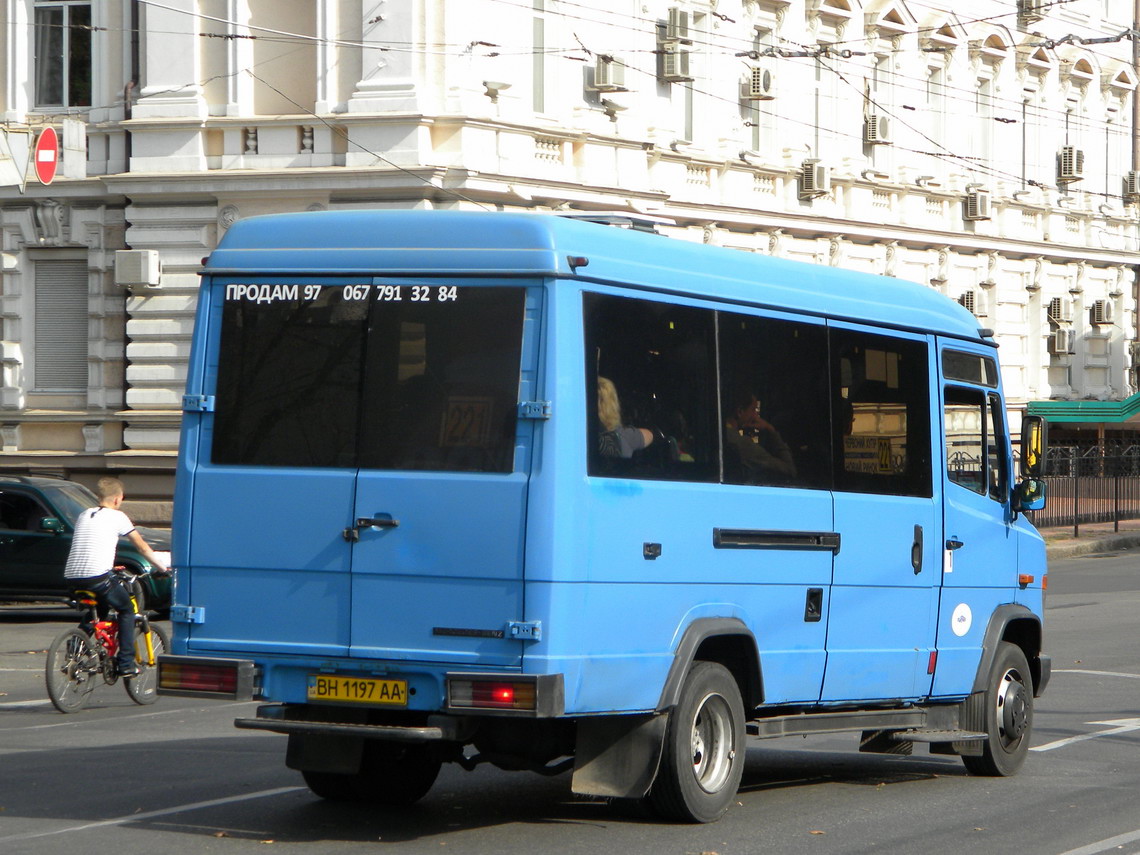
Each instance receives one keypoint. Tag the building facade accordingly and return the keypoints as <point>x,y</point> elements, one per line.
<point>984,149</point>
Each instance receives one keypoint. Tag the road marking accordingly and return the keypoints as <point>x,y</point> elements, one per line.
<point>1097,673</point>
<point>1105,845</point>
<point>1120,725</point>
<point>24,703</point>
<point>138,817</point>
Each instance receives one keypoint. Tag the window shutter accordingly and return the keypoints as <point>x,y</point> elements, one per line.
<point>61,326</point>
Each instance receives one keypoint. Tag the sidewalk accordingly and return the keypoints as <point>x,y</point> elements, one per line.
<point>1094,537</point>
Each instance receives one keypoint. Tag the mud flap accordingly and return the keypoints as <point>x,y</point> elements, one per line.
<point>618,756</point>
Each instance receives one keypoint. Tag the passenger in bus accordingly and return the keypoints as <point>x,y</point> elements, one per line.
<point>616,440</point>
<point>761,450</point>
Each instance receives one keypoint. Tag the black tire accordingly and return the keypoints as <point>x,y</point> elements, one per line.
<point>72,670</point>
<point>390,774</point>
<point>1008,715</point>
<point>703,756</point>
<point>143,689</point>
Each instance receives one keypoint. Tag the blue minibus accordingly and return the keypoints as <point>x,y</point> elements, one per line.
<point>560,495</point>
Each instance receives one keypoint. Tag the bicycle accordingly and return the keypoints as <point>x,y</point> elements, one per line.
<point>78,657</point>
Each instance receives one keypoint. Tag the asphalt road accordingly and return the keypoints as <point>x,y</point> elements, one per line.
<point>177,777</point>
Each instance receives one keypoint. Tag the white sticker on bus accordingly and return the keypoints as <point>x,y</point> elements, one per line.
<point>961,620</point>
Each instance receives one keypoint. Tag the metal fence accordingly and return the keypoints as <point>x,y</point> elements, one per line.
<point>1091,485</point>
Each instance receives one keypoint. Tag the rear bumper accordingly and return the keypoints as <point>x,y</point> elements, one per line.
<point>293,719</point>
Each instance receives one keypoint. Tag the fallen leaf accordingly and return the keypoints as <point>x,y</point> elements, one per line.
<point>817,832</point>
<point>267,841</point>
<point>219,834</point>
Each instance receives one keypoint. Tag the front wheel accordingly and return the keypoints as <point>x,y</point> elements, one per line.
<point>71,670</point>
<point>390,774</point>
<point>1008,715</point>
<point>703,756</point>
<point>143,689</point>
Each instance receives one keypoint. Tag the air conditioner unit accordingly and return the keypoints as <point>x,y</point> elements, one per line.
<point>1102,312</point>
<point>969,301</point>
<point>1060,310</point>
<point>677,26</point>
<point>977,204</point>
<point>877,130</point>
<point>137,267</point>
<point>815,179</point>
<point>1062,342</point>
<point>1132,186</point>
<point>675,66</point>
<point>609,74</point>
<point>759,85</point>
<point>1070,164</point>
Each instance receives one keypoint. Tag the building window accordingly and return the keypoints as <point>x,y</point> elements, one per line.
<point>63,53</point>
<point>61,326</point>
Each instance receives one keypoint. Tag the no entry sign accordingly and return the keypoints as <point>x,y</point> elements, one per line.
<point>46,155</point>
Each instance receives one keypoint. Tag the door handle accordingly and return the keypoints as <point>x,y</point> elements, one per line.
<point>376,522</point>
<point>352,533</point>
<point>953,543</point>
<point>916,550</point>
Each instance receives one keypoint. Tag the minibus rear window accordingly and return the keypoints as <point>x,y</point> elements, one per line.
<point>369,376</point>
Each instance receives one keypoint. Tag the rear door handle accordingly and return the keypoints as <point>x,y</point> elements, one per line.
<point>953,543</point>
<point>376,522</point>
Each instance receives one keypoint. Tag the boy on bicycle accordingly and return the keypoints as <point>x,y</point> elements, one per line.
<point>92,558</point>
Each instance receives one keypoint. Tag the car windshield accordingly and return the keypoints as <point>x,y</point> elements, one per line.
<point>70,499</point>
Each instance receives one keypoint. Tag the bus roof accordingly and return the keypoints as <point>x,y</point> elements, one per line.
<point>474,243</point>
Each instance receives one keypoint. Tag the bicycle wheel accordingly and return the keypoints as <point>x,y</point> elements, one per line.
<point>143,689</point>
<point>71,670</point>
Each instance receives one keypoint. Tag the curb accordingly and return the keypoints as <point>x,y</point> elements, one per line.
<point>1104,543</point>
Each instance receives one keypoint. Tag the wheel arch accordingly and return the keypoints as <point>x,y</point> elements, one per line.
<point>1017,625</point>
<point>725,640</point>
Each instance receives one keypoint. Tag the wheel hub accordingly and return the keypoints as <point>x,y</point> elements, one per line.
<point>1012,708</point>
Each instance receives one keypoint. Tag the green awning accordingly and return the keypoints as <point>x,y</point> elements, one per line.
<point>1113,412</point>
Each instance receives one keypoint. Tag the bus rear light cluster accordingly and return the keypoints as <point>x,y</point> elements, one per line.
<point>197,677</point>
<point>536,695</point>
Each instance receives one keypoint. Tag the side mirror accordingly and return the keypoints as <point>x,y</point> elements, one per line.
<point>1034,433</point>
<point>51,524</point>
<point>1029,495</point>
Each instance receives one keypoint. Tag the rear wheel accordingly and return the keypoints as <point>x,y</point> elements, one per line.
<point>71,671</point>
<point>390,774</point>
<point>703,755</point>
<point>1008,715</point>
<point>143,689</point>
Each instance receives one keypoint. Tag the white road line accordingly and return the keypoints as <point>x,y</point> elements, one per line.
<point>139,817</point>
<point>1096,673</point>
<point>1117,726</point>
<point>41,702</point>
<point>1105,845</point>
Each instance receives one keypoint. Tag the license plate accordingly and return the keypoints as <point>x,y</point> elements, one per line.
<point>358,690</point>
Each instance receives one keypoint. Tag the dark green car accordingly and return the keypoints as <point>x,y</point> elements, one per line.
<point>37,518</point>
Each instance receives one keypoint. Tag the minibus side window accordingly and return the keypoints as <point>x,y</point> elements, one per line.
<point>774,401</point>
<point>650,390</point>
<point>880,414</point>
<point>965,423</point>
<point>976,442</point>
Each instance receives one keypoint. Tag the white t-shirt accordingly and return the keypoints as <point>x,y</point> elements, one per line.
<point>97,533</point>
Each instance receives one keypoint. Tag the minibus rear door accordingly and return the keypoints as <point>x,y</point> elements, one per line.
<point>438,524</point>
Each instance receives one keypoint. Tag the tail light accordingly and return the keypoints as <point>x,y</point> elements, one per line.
<point>201,677</point>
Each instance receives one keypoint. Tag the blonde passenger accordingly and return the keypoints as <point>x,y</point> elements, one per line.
<point>616,440</point>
